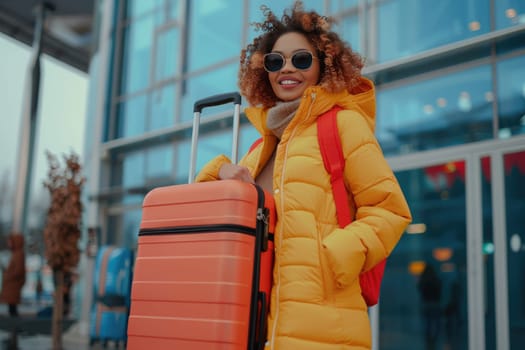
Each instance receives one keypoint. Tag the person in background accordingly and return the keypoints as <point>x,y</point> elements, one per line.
<point>430,290</point>
<point>294,71</point>
<point>14,276</point>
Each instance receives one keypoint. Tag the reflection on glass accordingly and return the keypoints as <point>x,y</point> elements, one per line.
<point>432,24</point>
<point>514,167</point>
<point>424,290</point>
<point>509,13</point>
<point>511,96</point>
<point>449,110</point>
<point>212,38</point>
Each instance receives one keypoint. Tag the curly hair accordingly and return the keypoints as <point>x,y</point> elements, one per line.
<point>340,66</point>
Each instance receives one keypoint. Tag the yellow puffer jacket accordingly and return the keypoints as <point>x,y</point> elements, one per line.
<point>316,300</point>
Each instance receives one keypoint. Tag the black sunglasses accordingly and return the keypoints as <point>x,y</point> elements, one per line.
<point>274,61</point>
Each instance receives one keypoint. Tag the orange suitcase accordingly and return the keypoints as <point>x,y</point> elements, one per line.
<point>203,268</point>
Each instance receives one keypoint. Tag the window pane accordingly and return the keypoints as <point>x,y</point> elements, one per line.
<point>133,169</point>
<point>212,38</point>
<point>174,9</point>
<point>511,96</point>
<point>277,8</point>
<point>182,165</point>
<point>136,55</point>
<point>162,107</point>
<point>131,117</point>
<point>131,227</point>
<point>159,162</point>
<point>350,32</point>
<point>123,229</point>
<point>432,24</point>
<point>449,110</point>
<point>167,56</point>
<point>509,13</point>
<point>216,82</point>
<point>210,145</point>
<point>248,136</point>
<point>139,7</point>
<point>218,142</point>
<point>340,5</point>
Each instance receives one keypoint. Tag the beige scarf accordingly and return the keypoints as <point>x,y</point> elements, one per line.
<point>280,115</point>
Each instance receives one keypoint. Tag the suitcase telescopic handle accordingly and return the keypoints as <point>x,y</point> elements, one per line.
<point>216,100</point>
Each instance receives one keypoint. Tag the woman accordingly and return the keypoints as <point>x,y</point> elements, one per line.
<point>14,275</point>
<point>292,73</point>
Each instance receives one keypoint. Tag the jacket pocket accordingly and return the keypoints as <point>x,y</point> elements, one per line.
<point>327,277</point>
<point>345,257</point>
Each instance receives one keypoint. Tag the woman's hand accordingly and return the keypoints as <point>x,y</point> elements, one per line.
<point>235,172</point>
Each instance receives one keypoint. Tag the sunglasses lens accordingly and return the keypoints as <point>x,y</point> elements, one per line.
<point>273,62</point>
<point>302,60</point>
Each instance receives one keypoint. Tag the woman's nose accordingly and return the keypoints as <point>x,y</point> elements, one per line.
<point>288,65</point>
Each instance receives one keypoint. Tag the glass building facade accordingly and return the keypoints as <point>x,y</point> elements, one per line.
<point>450,78</point>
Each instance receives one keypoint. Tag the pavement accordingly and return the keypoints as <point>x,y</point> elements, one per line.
<point>30,332</point>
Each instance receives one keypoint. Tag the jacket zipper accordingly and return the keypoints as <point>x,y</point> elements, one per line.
<point>281,186</point>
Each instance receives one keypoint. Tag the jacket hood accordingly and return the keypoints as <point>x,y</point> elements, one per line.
<point>361,98</point>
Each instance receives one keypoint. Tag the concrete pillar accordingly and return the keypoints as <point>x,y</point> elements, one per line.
<point>29,124</point>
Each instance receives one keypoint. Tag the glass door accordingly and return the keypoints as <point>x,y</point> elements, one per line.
<point>455,280</point>
<point>424,292</point>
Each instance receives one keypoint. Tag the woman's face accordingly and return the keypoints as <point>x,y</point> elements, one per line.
<point>289,82</point>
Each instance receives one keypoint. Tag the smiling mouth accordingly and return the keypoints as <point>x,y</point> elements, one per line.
<point>288,82</point>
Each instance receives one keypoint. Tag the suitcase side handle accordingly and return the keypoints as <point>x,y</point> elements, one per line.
<point>215,100</point>
<point>262,322</point>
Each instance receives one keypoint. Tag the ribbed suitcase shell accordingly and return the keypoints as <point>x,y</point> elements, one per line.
<point>194,273</point>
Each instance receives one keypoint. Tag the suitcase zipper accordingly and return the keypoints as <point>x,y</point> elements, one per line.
<point>256,335</point>
<point>199,229</point>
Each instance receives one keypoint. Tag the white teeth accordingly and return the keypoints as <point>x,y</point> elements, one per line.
<point>288,82</point>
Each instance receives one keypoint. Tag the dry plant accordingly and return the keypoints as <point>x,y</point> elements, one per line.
<point>62,230</point>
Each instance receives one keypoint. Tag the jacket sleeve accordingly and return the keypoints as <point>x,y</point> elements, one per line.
<point>210,172</point>
<point>382,212</point>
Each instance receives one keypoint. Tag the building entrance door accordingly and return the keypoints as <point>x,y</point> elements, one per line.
<point>456,280</point>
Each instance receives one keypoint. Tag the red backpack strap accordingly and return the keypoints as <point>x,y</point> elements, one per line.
<point>334,162</point>
<point>255,144</point>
